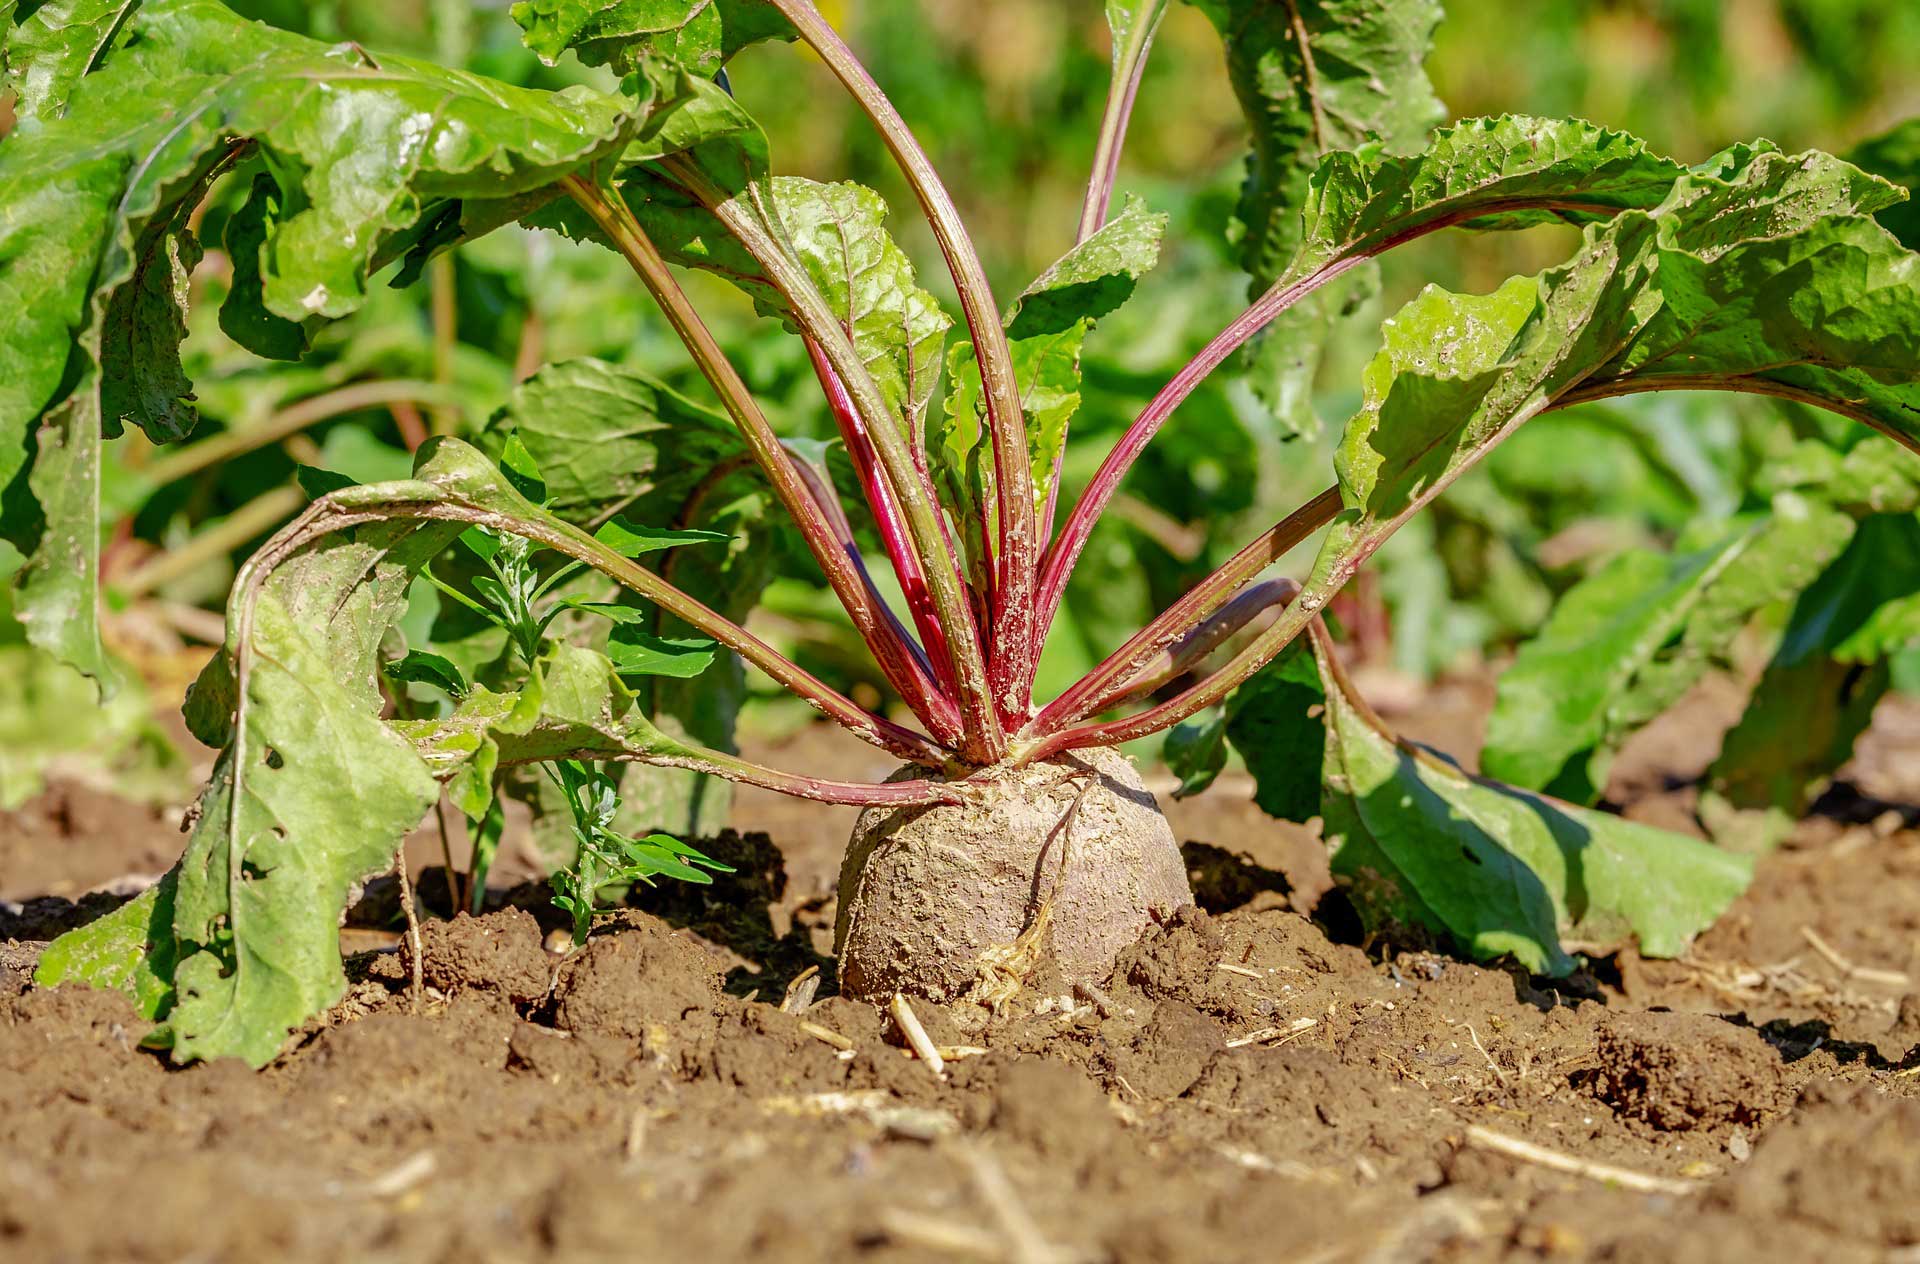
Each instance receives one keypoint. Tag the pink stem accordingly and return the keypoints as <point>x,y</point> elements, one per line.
<point>1057,566</point>
<point>1262,601</point>
<point>1060,558</point>
<point>921,692</point>
<point>886,516</point>
<point>1089,695</point>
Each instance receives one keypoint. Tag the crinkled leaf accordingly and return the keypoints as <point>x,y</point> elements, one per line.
<point>1314,77</point>
<point>1497,870</point>
<point>1762,277</point>
<point>603,435</point>
<point>695,35</point>
<point>839,233</point>
<point>1504,172</point>
<point>49,50</point>
<point>1092,279</point>
<point>94,205</point>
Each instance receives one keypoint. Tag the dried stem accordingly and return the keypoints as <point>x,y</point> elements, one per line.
<point>291,420</point>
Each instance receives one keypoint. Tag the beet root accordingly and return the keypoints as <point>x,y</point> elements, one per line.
<point>924,891</point>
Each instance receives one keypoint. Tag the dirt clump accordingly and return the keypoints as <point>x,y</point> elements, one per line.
<point>501,955</point>
<point>1677,1072</point>
<point>1165,1057</point>
<point>640,980</point>
<point>1843,1164</point>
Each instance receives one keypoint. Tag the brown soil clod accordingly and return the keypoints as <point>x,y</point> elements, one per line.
<point>500,954</point>
<point>1678,1072</point>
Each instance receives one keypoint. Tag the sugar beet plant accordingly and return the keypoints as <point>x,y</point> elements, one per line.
<point>1755,271</point>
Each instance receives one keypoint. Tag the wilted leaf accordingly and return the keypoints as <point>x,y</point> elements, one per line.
<point>130,950</point>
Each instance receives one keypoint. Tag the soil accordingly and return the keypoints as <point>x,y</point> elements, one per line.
<point>1252,1082</point>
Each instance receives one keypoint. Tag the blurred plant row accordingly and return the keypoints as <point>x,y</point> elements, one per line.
<point>1644,506</point>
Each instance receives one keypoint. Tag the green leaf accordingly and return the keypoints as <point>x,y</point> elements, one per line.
<point>1504,172</point>
<point>1314,77</point>
<point>520,469</point>
<point>244,316</point>
<point>1497,870</point>
<point>1094,278</point>
<point>48,51</point>
<point>1817,695</point>
<point>427,668</point>
<point>608,438</point>
<point>605,436</point>
<point>53,722</point>
<point>316,482</point>
<point>630,540</point>
<point>1047,326</point>
<point>839,232</point>
<point>94,204</point>
<point>1556,721</point>
<point>637,653</point>
<point>1765,276</point>
<point>1800,725</point>
<point>698,36</point>
<point>1895,155</point>
<point>1841,613</point>
<point>312,798</point>
<point>57,589</point>
<point>1196,751</point>
<point>1277,723</point>
<point>130,950</point>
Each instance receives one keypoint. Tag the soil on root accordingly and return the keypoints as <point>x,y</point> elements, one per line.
<point>1243,1078</point>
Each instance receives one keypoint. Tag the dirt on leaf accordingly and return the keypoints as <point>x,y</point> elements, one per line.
<point>1250,1082</point>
